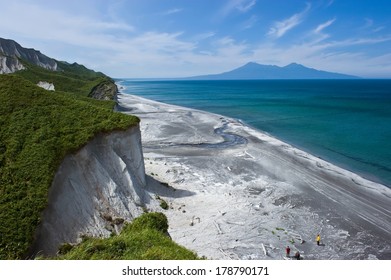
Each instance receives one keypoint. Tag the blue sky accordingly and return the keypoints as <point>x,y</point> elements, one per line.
<point>177,38</point>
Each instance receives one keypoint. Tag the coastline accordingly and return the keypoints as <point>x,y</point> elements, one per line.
<point>234,190</point>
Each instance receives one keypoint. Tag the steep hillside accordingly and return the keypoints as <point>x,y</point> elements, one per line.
<point>37,129</point>
<point>37,67</point>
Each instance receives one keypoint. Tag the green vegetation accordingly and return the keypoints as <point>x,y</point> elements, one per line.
<point>73,78</point>
<point>146,238</point>
<point>163,204</point>
<point>37,129</point>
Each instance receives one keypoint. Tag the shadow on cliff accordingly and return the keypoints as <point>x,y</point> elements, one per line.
<point>163,189</point>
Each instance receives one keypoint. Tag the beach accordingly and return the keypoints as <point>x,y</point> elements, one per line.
<point>235,192</point>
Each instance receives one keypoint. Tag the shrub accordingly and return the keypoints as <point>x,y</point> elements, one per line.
<point>143,239</point>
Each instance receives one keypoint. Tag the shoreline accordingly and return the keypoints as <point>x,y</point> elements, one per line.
<point>372,168</point>
<point>339,164</point>
<point>228,202</point>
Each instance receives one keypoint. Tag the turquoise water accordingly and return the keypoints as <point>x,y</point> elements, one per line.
<point>347,122</point>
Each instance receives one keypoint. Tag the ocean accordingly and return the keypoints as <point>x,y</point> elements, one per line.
<point>346,122</point>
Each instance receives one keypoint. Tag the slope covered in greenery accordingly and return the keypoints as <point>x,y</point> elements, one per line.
<point>37,129</point>
<point>73,78</point>
<point>145,238</point>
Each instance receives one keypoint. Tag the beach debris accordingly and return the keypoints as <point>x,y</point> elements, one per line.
<point>249,155</point>
<point>225,254</point>
<point>295,235</point>
<point>193,219</point>
<point>179,181</point>
<point>264,249</point>
<point>218,227</point>
<point>180,207</point>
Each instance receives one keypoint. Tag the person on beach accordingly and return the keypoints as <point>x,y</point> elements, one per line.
<point>318,239</point>
<point>297,255</point>
<point>288,251</point>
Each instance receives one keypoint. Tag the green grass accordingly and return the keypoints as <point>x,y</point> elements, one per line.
<point>145,238</point>
<point>37,130</point>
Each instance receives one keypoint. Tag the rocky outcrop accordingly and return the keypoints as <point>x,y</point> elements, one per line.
<point>46,85</point>
<point>14,52</point>
<point>9,65</point>
<point>106,90</point>
<point>94,191</point>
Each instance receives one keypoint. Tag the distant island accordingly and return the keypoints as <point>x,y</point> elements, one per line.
<point>255,71</point>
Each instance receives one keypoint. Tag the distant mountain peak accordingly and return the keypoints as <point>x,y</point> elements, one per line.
<point>256,71</point>
<point>294,64</point>
<point>251,63</point>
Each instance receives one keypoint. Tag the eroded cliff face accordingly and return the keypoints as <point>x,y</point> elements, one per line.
<point>14,51</point>
<point>106,90</point>
<point>9,65</point>
<point>94,191</point>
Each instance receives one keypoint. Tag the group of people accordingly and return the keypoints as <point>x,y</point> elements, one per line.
<point>288,253</point>
<point>297,254</point>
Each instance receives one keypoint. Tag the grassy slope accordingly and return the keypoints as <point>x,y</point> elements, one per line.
<point>144,239</point>
<point>37,129</point>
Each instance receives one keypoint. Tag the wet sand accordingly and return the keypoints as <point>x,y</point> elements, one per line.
<point>237,193</point>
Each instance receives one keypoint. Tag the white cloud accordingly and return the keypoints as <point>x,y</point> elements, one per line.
<point>335,56</point>
<point>370,24</point>
<point>172,11</point>
<point>40,23</point>
<point>322,26</point>
<point>245,6</point>
<point>203,36</point>
<point>281,27</point>
<point>242,6</point>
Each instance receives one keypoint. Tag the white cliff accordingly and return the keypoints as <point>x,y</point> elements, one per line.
<point>46,85</point>
<point>94,191</point>
<point>11,53</point>
<point>9,65</point>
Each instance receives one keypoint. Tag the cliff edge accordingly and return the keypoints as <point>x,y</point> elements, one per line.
<point>94,191</point>
<point>106,90</point>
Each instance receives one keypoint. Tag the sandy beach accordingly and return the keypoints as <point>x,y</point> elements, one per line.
<point>237,193</point>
